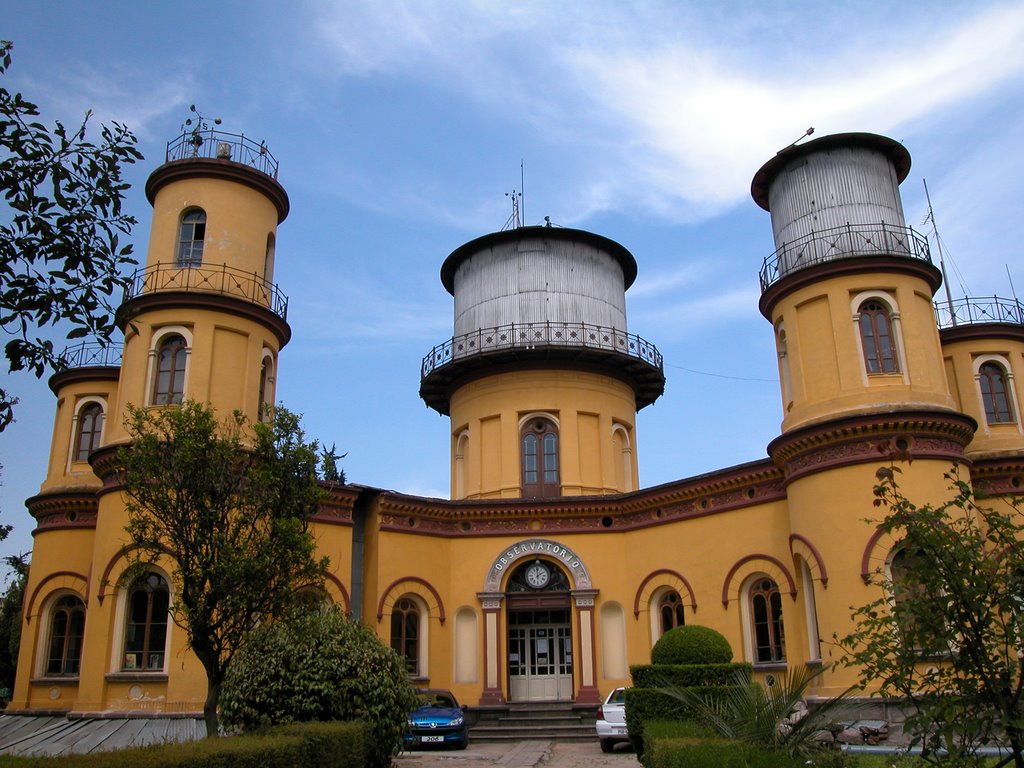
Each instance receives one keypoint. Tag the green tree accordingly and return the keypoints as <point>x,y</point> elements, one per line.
<point>10,619</point>
<point>944,639</point>
<point>229,503</point>
<point>320,665</point>
<point>60,249</point>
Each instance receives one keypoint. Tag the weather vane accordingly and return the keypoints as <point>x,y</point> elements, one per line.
<point>197,129</point>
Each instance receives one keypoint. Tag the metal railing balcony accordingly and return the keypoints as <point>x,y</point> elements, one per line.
<point>540,336</point>
<point>972,311</point>
<point>217,279</point>
<point>220,145</point>
<point>88,354</point>
<point>849,241</point>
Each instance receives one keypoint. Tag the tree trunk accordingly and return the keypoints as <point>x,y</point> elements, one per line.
<point>210,709</point>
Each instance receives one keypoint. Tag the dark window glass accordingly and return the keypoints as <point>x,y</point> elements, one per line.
<point>169,382</point>
<point>145,635</point>
<point>405,622</point>
<point>995,394</point>
<point>876,335</point>
<point>766,610</point>
<point>540,459</point>
<point>67,629</point>
<point>191,237</point>
<point>90,429</point>
<point>670,607</point>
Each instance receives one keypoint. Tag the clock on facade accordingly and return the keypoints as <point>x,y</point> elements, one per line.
<point>537,575</point>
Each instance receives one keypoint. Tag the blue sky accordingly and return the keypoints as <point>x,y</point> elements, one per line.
<point>400,127</point>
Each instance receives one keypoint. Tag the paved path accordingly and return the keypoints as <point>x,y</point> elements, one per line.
<point>524,754</point>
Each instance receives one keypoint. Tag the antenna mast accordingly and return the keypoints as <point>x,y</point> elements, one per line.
<point>942,261</point>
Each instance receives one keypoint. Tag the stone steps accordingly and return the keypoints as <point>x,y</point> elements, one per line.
<point>533,722</point>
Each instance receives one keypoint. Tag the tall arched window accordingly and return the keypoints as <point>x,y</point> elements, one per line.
<point>145,634</point>
<point>191,236</point>
<point>266,388</point>
<point>169,378</point>
<point>995,394</point>
<point>670,609</point>
<point>90,429</point>
<point>540,459</point>
<point>67,628</point>
<point>766,616</point>
<point>876,337</point>
<point>405,625</point>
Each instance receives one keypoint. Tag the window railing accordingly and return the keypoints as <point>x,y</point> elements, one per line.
<point>221,145</point>
<point>528,336</point>
<point>219,279</point>
<point>970,311</point>
<point>851,240</point>
<point>91,353</point>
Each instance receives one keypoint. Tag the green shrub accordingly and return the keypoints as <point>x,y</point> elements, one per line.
<point>320,665</point>
<point>691,644</point>
<point>686,753</point>
<point>645,705</point>
<point>688,675</point>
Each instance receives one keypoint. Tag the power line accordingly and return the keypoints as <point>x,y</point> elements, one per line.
<point>720,375</point>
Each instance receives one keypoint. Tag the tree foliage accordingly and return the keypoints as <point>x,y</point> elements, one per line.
<point>60,247</point>
<point>229,504</point>
<point>320,665</point>
<point>945,638</point>
<point>10,619</point>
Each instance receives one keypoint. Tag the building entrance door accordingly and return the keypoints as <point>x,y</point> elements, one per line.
<point>540,655</point>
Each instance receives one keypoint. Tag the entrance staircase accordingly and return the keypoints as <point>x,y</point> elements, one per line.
<point>533,721</point>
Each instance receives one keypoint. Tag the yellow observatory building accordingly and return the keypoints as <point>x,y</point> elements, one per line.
<point>549,571</point>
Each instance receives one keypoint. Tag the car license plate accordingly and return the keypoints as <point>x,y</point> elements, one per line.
<point>431,739</point>
<point>618,731</point>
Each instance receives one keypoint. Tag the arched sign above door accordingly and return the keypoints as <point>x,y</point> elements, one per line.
<point>551,550</point>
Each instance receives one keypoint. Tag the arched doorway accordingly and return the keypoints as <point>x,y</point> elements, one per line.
<point>540,647</point>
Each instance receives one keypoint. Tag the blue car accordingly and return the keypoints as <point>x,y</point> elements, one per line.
<point>437,720</point>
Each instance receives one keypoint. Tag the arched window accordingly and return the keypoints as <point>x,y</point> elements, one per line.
<point>876,337</point>
<point>766,616</point>
<point>670,610</point>
<point>191,236</point>
<point>67,628</point>
<point>266,388</point>
<point>540,459</point>
<point>995,394</point>
<point>90,429</point>
<point>405,626</point>
<point>145,634</point>
<point>169,378</point>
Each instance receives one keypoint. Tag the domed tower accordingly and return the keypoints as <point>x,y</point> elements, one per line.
<point>542,379</point>
<point>849,291</point>
<point>202,320</point>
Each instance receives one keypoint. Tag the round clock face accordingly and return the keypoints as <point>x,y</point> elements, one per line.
<point>537,575</point>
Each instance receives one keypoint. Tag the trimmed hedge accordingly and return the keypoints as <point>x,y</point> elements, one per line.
<point>691,644</point>
<point>688,675</point>
<point>311,745</point>
<point>715,753</point>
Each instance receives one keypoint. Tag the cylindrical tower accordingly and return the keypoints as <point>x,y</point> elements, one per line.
<point>542,379</point>
<point>849,294</point>
<point>202,320</point>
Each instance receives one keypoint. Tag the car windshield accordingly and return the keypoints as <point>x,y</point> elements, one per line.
<point>437,699</point>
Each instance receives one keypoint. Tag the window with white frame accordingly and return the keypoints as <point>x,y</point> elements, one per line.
<point>145,634</point>
<point>994,383</point>
<point>67,631</point>
<point>88,431</point>
<point>191,237</point>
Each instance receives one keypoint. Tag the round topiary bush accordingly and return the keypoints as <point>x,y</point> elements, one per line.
<point>691,645</point>
<point>320,665</point>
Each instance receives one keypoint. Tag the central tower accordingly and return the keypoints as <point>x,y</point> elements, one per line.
<point>541,380</point>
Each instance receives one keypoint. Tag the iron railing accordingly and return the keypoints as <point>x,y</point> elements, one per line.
<point>91,353</point>
<point>529,336</point>
<point>851,240</point>
<point>220,279</point>
<point>970,311</point>
<point>221,145</point>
